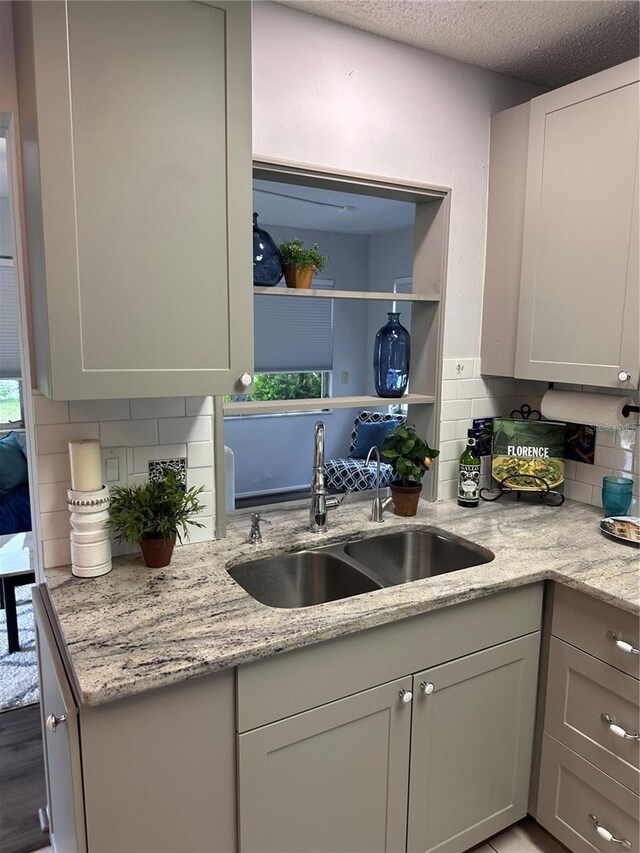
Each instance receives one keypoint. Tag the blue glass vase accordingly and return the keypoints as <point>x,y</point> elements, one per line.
<point>391,354</point>
<point>267,263</point>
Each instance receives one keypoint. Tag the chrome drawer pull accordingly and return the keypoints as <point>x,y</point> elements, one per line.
<point>617,730</point>
<point>621,644</point>
<point>608,836</point>
<point>53,722</point>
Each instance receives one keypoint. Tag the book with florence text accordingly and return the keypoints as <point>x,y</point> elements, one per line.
<point>525,453</point>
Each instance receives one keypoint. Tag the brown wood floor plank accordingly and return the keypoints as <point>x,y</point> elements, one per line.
<point>22,785</point>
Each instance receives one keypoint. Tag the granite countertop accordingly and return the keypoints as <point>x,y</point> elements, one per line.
<point>136,629</point>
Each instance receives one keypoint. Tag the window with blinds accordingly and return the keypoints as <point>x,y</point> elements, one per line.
<point>294,335</point>
<point>9,322</point>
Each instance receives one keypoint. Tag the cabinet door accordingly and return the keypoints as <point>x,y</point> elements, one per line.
<point>61,741</point>
<point>331,779</point>
<point>578,318</point>
<point>139,202</point>
<point>471,746</point>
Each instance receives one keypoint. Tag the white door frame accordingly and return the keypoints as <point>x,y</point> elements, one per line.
<point>16,208</point>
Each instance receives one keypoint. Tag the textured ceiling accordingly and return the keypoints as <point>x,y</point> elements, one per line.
<point>550,42</point>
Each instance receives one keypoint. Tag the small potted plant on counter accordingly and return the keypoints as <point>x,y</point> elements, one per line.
<point>410,457</point>
<point>154,515</point>
<point>300,264</point>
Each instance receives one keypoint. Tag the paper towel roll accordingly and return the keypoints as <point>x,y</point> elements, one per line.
<point>582,408</point>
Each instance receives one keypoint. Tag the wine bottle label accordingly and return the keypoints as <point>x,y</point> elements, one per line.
<point>469,483</point>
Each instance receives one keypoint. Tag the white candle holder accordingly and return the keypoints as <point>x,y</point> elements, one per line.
<point>90,542</point>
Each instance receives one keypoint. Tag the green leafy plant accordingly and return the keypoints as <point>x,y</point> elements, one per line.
<point>293,252</point>
<point>408,454</point>
<point>160,509</point>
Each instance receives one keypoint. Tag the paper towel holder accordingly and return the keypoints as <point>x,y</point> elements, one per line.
<point>627,410</point>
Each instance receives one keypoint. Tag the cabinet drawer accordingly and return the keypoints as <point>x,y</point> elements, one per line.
<point>572,789</point>
<point>278,687</point>
<point>580,690</point>
<point>593,626</point>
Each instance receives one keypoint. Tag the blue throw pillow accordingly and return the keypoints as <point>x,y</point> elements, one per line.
<point>13,465</point>
<point>369,435</point>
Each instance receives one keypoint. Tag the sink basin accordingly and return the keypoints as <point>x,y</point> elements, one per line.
<point>414,554</point>
<point>302,579</point>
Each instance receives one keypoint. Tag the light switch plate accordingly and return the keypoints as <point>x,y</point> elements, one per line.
<point>114,466</point>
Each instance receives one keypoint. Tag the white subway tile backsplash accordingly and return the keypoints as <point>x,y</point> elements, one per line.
<point>470,388</point>
<point>52,497</point>
<point>197,477</point>
<point>201,534</point>
<point>55,525</point>
<point>56,552</point>
<point>99,410</point>
<point>177,430</point>
<point>451,450</point>
<point>453,410</point>
<point>485,408</point>
<point>137,479</point>
<point>448,430</point>
<point>158,407</point>
<point>55,438</point>
<point>200,454</point>
<point>457,368</point>
<point>49,411</point>
<point>450,389</point>
<point>206,499</point>
<point>611,457</point>
<point>578,491</point>
<point>53,468</point>
<point>128,433</point>
<point>199,406</point>
<point>447,489</point>
<point>143,455</point>
<point>591,474</point>
<point>448,470</point>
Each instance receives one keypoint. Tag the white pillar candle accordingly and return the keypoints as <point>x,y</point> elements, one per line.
<point>86,465</point>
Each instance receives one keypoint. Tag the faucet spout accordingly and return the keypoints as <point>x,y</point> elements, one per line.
<point>379,505</point>
<point>321,502</point>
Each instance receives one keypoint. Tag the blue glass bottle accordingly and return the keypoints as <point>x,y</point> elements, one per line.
<point>267,263</point>
<point>391,354</point>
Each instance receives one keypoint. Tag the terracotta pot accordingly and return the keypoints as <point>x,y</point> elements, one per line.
<point>300,277</point>
<point>405,499</point>
<point>157,552</point>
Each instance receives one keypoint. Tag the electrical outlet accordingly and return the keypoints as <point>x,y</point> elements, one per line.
<point>114,466</point>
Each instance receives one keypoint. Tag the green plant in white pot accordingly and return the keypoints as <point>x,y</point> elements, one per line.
<point>154,515</point>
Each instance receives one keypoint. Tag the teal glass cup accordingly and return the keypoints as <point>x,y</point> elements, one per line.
<point>616,495</point>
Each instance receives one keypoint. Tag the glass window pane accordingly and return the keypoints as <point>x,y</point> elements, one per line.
<point>10,408</point>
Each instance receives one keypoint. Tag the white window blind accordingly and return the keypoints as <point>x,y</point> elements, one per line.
<point>9,322</point>
<point>295,334</point>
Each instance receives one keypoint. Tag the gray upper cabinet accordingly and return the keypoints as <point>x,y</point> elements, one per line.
<point>136,134</point>
<point>578,315</point>
<point>331,779</point>
<point>471,745</point>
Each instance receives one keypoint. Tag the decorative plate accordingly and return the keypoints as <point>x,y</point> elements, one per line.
<point>625,528</point>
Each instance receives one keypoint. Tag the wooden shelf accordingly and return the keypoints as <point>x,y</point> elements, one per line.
<point>364,295</point>
<point>270,407</point>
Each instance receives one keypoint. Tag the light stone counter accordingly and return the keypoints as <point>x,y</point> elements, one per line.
<point>136,629</point>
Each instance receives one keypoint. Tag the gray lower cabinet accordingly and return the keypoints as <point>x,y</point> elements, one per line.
<point>331,779</point>
<point>61,743</point>
<point>471,746</point>
<point>455,745</point>
<point>136,135</point>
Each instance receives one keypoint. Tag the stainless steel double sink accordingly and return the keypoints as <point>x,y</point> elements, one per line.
<point>306,578</point>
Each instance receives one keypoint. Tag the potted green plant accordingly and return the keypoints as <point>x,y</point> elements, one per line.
<point>154,515</point>
<point>300,264</point>
<point>410,457</point>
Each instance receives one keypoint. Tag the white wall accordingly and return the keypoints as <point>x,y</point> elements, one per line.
<point>348,100</point>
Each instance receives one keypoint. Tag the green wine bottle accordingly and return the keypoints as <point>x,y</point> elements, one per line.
<point>469,474</point>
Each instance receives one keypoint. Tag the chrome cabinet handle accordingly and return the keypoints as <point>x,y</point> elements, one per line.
<point>53,722</point>
<point>427,687</point>
<point>623,376</point>
<point>405,696</point>
<point>609,836</point>
<point>246,379</point>
<point>616,729</point>
<point>622,644</point>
